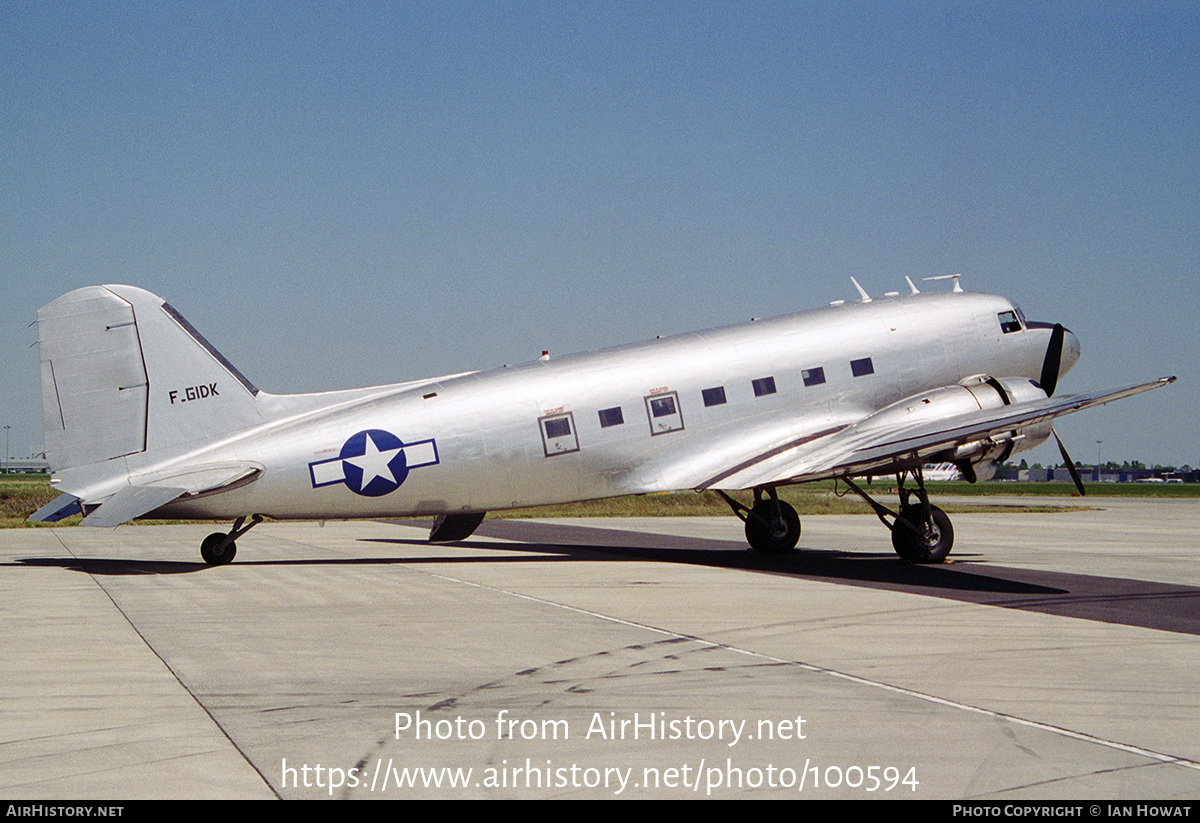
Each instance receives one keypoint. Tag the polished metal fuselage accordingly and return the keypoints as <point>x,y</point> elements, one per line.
<point>496,443</point>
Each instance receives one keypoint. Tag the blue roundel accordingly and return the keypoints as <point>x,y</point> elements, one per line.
<point>374,463</point>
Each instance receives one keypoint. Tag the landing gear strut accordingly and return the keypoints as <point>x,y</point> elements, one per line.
<point>921,533</point>
<point>218,548</point>
<point>772,526</point>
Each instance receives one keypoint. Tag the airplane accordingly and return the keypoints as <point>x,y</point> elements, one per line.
<point>942,471</point>
<point>144,417</point>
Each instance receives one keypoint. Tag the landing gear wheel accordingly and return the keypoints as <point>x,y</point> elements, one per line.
<point>212,552</point>
<point>781,531</point>
<point>931,543</point>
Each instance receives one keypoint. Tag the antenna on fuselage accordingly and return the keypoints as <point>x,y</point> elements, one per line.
<point>957,288</point>
<point>911,285</point>
<point>866,298</point>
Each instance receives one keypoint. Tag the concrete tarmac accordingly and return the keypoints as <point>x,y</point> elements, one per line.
<point>1057,657</point>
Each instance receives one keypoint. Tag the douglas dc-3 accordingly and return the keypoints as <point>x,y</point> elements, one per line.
<point>143,416</point>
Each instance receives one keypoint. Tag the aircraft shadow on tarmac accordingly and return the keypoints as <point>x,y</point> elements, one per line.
<point>879,569</point>
<point>886,570</point>
<point>1146,604</point>
<point>1122,601</point>
<point>860,567</point>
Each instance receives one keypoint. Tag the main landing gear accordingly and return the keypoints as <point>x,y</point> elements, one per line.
<point>772,526</point>
<point>218,548</point>
<point>921,533</point>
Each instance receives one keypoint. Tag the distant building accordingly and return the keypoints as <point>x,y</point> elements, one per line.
<point>25,465</point>
<point>1088,475</point>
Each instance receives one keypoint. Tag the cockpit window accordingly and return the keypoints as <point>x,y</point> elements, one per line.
<point>1009,322</point>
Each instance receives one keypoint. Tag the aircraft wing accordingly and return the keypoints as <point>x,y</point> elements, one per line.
<point>860,449</point>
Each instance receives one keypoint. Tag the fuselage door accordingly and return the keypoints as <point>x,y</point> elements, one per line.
<point>664,412</point>
<point>558,434</point>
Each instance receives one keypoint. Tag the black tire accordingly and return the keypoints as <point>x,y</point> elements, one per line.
<point>931,548</point>
<point>211,551</point>
<point>781,531</point>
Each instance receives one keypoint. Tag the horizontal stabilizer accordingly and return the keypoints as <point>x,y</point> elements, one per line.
<point>57,509</point>
<point>131,502</point>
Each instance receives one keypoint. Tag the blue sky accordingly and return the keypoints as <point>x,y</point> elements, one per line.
<point>344,194</point>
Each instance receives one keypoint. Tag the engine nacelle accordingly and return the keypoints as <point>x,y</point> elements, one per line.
<point>1024,390</point>
<point>977,459</point>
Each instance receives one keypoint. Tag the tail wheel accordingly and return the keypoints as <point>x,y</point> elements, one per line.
<point>212,552</point>
<point>932,541</point>
<point>772,527</point>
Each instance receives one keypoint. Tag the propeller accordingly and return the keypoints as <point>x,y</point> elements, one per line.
<point>1051,366</point>
<point>1067,459</point>
<point>1053,362</point>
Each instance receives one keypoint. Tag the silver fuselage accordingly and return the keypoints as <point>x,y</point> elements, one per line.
<point>490,441</point>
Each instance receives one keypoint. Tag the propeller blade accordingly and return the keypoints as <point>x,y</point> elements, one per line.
<point>1070,463</point>
<point>1053,361</point>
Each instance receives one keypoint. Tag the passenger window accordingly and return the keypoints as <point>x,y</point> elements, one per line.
<point>664,413</point>
<point>558,434</point>
<point>764,385</point>
<point>611,417</point>
<point>861,368</point>
<point>662,406</point>
<point>1009,322</point>
<point>714,397</point>
<point>813,377</point>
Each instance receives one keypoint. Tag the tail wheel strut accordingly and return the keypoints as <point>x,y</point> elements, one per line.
<point>219,548</point>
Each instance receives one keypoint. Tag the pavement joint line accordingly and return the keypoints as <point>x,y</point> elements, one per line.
<point>1067,778</point>
<point>83,564</point>
<point>853,678</point>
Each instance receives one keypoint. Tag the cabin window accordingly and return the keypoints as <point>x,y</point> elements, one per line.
<point>558,427</point>
<point>1009,322</point>
<point>813,377</point>
<point>714,397</point>
<point>611,417</point>
<point>764,385</point>
<point>662,406</point>
<point>558,434</point>
<point>664,413</point>
<point>861,368</point>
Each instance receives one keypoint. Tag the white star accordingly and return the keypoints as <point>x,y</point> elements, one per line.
<point>374,463</point>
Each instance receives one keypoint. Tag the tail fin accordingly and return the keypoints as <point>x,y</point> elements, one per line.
<point>124,373</point>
